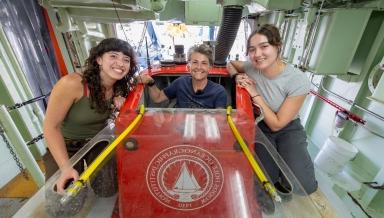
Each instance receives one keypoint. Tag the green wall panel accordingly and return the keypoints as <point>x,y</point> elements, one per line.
<point>337,39</point>
<point>279,4</point>
<point>209,13</point>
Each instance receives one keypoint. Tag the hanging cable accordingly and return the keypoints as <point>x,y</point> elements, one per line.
<point>142,36</point>
<point>148,60</point>
<point>118,17</point>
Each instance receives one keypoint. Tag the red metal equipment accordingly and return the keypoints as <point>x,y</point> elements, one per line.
<point>185,163</point>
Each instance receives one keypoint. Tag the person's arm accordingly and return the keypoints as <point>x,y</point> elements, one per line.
<point>63,95</point>
<point>288,110</point>
<point>155,93</point>
<point>235,67</point>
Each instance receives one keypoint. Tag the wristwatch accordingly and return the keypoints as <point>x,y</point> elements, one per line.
<point>150,84</point>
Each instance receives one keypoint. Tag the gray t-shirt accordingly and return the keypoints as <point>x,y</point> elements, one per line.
<point>291,82</point>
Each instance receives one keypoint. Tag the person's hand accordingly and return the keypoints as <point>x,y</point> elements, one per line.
<point>241,77</point>
<point>249,85</point>
<point>66,175</point>
<point>231,69</point>
<point>144,79</point>
<point>118,101</point>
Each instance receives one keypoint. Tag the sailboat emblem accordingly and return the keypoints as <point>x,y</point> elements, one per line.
<point>186,185</point>
<point>185,177</point>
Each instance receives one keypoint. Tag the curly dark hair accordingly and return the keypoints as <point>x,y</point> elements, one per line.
<point>271,32</point>
<point>91,74</point>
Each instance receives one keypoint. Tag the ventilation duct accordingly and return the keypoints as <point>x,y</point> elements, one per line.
<point>227,33</point>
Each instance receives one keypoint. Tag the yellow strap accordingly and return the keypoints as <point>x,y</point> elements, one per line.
<point>72,190</point>
<point>255,166</point>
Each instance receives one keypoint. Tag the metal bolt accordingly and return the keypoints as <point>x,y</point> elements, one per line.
<point>131,144</point>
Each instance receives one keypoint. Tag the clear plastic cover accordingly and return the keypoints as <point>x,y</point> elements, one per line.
<point>179,162</point>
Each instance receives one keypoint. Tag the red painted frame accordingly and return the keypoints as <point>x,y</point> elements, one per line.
<point>131,165</point>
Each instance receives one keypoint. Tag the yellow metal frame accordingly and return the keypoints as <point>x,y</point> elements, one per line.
<point>255,166</point>
<point>75,187</point>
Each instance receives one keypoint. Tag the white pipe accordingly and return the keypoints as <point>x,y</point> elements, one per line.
<point>21,149</point>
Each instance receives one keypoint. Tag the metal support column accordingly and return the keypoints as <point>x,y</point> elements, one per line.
<point>20,146</point>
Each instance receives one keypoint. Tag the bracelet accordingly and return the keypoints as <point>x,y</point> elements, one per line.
<point>255,96</point>
<point>150,84</point>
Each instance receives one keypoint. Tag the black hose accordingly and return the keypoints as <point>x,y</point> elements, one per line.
<point>230,23</point>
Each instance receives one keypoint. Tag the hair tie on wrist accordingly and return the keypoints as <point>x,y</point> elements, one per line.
<point>150,84</point>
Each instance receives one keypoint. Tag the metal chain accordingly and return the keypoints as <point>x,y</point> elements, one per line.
<point>36,139</point>
<point>14,156</point>
<point>19,105</point>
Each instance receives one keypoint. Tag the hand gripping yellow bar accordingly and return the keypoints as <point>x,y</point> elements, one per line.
<point>75,187</point>
<point>255,166</point>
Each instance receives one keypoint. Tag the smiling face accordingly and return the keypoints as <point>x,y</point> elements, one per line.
<point>113,65</point>
<point>262,54</point>
<point>199,66</point>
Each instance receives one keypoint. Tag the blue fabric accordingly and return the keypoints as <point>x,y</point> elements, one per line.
<point>213,95</point>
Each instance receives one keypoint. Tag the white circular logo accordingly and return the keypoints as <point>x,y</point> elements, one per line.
<point>185,177</point>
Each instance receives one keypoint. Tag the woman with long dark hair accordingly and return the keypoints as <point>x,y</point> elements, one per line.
<point>80,104</point>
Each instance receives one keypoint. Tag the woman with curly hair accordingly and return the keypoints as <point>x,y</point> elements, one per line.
<point>80,104</point>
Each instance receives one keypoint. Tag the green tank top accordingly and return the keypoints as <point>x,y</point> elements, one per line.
<point>82,122</point>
